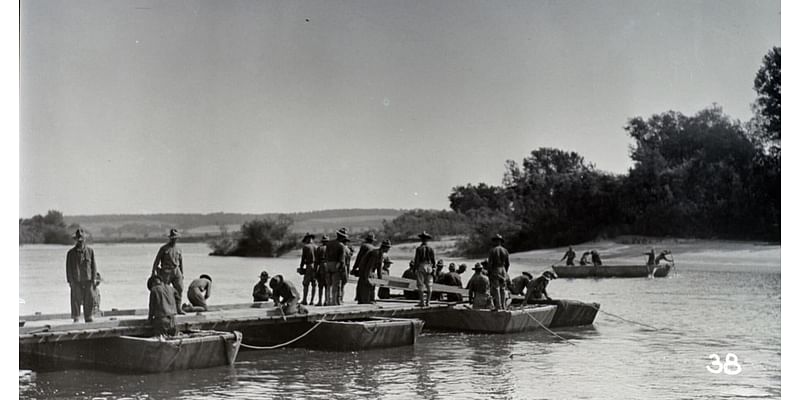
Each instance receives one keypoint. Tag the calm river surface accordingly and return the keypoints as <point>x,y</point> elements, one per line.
<point>719,302</point>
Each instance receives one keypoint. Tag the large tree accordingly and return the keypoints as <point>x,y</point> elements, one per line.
<point>767,106</point>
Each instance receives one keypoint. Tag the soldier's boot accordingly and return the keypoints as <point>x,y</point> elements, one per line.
<point>305,296</point>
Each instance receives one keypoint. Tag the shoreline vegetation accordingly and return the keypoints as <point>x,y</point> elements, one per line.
<point>704,176</point>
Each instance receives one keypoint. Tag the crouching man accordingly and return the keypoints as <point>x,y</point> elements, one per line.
<point>285,295</point>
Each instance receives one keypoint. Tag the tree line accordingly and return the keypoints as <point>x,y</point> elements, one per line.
<point>48,229</point>
<point>703,175</point>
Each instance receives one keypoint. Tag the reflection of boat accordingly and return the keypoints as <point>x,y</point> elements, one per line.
<point>464,318</point>
<point>612,271</point>
<point>189,350</point>
<point>341,335</point>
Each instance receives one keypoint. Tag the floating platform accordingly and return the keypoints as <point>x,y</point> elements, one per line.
<point>570,313</point>
<point>612,271</point>
<point>463,318</point>
<point>189,350</point>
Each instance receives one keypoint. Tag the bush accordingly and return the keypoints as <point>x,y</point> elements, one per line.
<point>267,237</point>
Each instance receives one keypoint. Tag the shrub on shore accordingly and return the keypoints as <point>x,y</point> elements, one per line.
<point>266,237</point>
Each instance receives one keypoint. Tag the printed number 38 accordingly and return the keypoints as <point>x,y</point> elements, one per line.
<point>731,365</point>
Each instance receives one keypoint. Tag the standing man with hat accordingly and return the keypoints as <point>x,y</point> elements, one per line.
<point>371,265</point>
<point>348,255</point>
<point>307,268</point>
<point>366,247</point>
<point>81,275</point>
<point>319,267</point>
<point>498,269</point>
<point>538,287</point>
<point>169,266</point>
<point>569,255</point>
<point>335,253</point>
<point>478,287</point>
<point>424,259</point>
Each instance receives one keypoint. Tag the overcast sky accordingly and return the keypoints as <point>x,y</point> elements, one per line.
<point>268,106</point>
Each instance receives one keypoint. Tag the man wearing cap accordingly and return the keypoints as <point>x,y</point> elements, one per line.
<point>424,259</point>
<point>498,268</point>
<point>262,292</point>
<point>478,287</point>
<point>371,265</point>
<point>348,255</point>
<point>410,273</point>
<point>319,266</point>
<point>569,255</point>
<point>335,253</point>
<point>537,288</point>
<point>81,275</point>
<point>307,268</point>
<point>520,283</point>
<point>383,292</point>
<point>169,266</point>
<point>452,278</point>
<point>284,294</point>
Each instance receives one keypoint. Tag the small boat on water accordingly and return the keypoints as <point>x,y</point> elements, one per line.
<point>189,350</point>
<point>612,271</point>
<point>339,335</point>
<point>464,318</point>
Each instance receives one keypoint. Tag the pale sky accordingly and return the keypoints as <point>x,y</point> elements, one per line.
<point>281,106</point>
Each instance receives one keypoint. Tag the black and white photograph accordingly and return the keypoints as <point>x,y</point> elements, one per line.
<point>399,199</point>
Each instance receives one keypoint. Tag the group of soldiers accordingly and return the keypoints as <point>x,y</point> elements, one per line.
<point>570,254</point>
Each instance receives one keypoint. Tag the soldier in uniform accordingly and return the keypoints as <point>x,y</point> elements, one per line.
<point>261,291</point>
<point>651,256</point>
<point>569,255</point>
<point>424,259</point>
<point>169,266</point>
<point>585,258</point>
<point>285,295</point>
<point>307,268</point>
<point>498,269</point>
<point>596,258</point>
<point>81,277</point>
<point>520,283</point>
<point>348,255</point>
<point>335,253</point>
<point>371,266</point>
<point>319,266</point>
<point>537,288</point>
<point>478,287</point>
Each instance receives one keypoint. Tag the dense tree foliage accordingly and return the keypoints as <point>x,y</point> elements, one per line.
<point>266,237</point>
<point>703,175</point>
<point>49,228</point>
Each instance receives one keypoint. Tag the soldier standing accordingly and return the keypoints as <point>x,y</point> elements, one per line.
<point>498,269</point>
<point>81,275</point>
<point>169,266</point>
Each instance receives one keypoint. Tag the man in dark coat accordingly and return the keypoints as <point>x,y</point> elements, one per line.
<point>307,268</point>
<point>81,275</point>
<point>319,266</point>
<point>410,273</point>
<point>452,278</point>
<point>371,267</point>
<point>498,269</point>
<point>424,260</point>
<point>161,310</point>
<point>478,287</point>
<point>596,258</point>
<point>169,266</point>
<point>520,283</point>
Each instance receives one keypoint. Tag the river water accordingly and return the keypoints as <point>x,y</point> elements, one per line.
<point>719,302</point>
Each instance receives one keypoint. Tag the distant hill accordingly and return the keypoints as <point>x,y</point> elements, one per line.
<point>114,227</point>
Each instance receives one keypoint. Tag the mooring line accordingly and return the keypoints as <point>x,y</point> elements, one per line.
<point>622,318</point>
<point>547,329</point>
<point>277,346</point>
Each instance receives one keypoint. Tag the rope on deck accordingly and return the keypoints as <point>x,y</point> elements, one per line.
<point>278,346</point>
<point>547,329</point>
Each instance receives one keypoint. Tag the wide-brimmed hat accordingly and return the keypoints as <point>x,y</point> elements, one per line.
<point>173,233</point>
<point>477,267</point>
<point>205,276</point>
<point>386,243</point>
<point>342,232</point>
<point>549,275</point>
<point>324,238</point>
<point>369,236</point>
<point>440,262</point>
<point>308,236</point>
<point>264,273</point>
<point>424,235</point>
<point>498,237</point>
<point>79,234</point>
<point>528,274</point>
